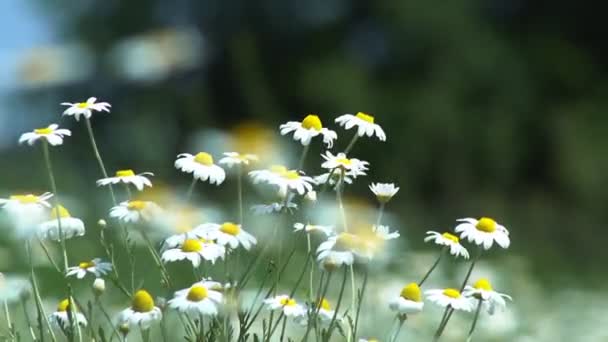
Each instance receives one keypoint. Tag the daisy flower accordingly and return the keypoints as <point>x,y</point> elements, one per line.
<point>482,290</point>
<point>354,166</point>
<point>85,108</point>
<point>335,178</point>
<point>195,250</point>
<point>135,211</point>
<point>309,228</point>
<point>284,178</point>
<point>384,191</point>
<point>227,234</point>
<point>234,158</point>
<point>201,166</point>
<point>175,241</point>
<point>52,134</point>
<point>448,240</point>
<point>383,232</point>
<point>326,314</point>
<point>409,300</point>
<point>60,319</point>
<point>288,305</point>
<point>268,175</point>
<point>451,297</point>
<point>142,313</point>
<point>26,211</point>
<point>70,226</point>
<point>128,177</point>
<point>13,288</point>
<point>342,249</point>
<point>309,128</point>
<point>365,125</point>
<point>483,232</point>
<point>198,299</point>
<point>96,267</point>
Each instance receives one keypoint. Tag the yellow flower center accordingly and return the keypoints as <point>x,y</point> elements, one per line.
<point>230,228</point>
<point>324,304</point>
<point>278,169</point>
<point>291,174</point>
<point>82,105</point>
<point>288,302</point>
<point>86,264</point>
<point>136,205</point>
<point>204,158</point>
<point>483,284</point>
<point>486,224</point>
<point>142,301</point>
<point>312,121</point>
<point>451,237</point>
<point>125,173</point>
<point>64,305</point>
<point>411,292</point>
<point>197,293</point>
<point>344,161</point>
<point>25,199</point>
<point>59,212</point>
<point>365,117</point>
<point>452,293</point>
<point>347,242</point>
<point>191,246</point>
<point>43,130</point>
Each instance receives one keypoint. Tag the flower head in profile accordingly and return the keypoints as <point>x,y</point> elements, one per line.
<point>227,234</point>
<point>284,178</point>
<point>326,312</point>
<point>384,191</point>
<point>96,267</point>
<point>482,290</point>
<point>128,177</point>
<point>60,319</point>
<point>409,300</point>
<point>483,232</point>
<point>333,178</point>
<point>353,166</point>
<point>364,123</point>
<point>448,240</point>
<point>309,128</point>
<point>310,228</point>
<point>142,313</point>
<point>201,167</point>
<point>234,158</point>
<point>135,211</point>
<point>195,251</point>
<point>289,306</point>
<point>70,226</point>
<point>51,134</point>
<point>449,296</point>
<point>26,211</point>
<point>85,108</point>
<point>199,299</point>
<point>343,249</point>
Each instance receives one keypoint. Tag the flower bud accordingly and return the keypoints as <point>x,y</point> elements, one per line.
<point>99,286</point>
<point>311,196</point>
<point>102,223</point>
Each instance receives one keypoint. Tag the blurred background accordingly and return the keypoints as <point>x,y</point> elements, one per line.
<point>492,108</point>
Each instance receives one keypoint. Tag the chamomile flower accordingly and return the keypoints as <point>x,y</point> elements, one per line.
<point>284,178</point>
<point>449,296</point>
<point>288,305</point>
<point>195,251</point>
<point>482,290</point>
<point>409,300</point>
<point>268,175</point>
<point>27,207</point>
<point>142,313</point>
<point>52,134</point>
<point>97,267</point>
<point>448,240</point>
<point>135,211</point>
<point>85,108</point>
<point>175,241</point>
<point>227,234</point>
<point>201,166</point>
<point>354,166</point>
<point>309,228</point>
<point>384,233</point>
<point>483,232</point>
<point>384,191</point>
<point>70,226</point>
<point>234,158</point>
<point>365,124</point>
<point>60,318</point>
<point>13,288</point>
<point>326,313</point>
<point>342,249</point>
<point>128,177</point>
<point>198,299</point>
<point>309,128</point>
<point>332,178</point>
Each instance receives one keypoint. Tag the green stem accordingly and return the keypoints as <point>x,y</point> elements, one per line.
<point>48,255</point>
<point>360,303</point>
<point>428,273</point>
<point>475,318</point>
<point>98,157</point>
<point>108,318</point>
<point>303,156</point>
<point>28,320</point>
<point>163,271</point>
<point>9,323</point>
<point>191,189</point>
<point>42,316</point>
<point>333,319</point>
<point>401,321</point>
<point>339,199</point>
<point>312,269</point>
<point>239,190</point>
<point>352,143</point>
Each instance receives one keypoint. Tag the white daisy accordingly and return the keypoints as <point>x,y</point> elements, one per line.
<point>365,125</point>
<point>135,211</point>
<point>311,196</point>
<point>288,305</point>
<point>448,240</point>
<point>309,128</point>
<point>451,297</point>
<point>335,178</point>
<point>484,232</point>
<point>13,288</point>
<point>26,211</point>
<point>201,166</point>
<point>198,299</point>
<point>353,166</point>
<point>309,228</point>
<point>195,251</point>
<point>342,249</point>
<point>97,267</point>
<point>383,232</point>
<point>284,178</point>
<point>409,300</point>
<point>52,134</point>
<point>60,319</point>
<point>142,313</point>
<point>128,177</point>
<point>267,175</point>
<point>384,191</point>
<point>234,158</point>
<point>326,314</point>
<point>227,234</point>
<point>482,289</point>
<point>85,108</point>
<point>70,226</point>
<point>175,241</point>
